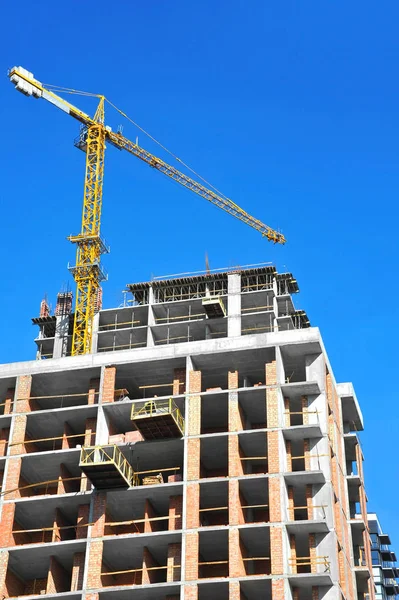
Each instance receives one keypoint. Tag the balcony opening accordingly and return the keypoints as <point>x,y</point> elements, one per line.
<point>214,413</point>
<point>214,456</point>
<point>214,504</point>
<point>213,554</point>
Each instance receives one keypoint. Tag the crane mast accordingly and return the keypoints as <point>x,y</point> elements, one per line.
<point>87,272</point>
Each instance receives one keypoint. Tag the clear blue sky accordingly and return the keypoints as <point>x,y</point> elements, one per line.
<point>290,108</point>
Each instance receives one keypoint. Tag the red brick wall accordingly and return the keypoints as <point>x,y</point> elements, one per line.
<point>94,386</point>
<point>174,560</point>
<point>58,579</point>
<point>95,564</point>
<point>192,556</point>
<point>8,400</point>
<point>13,475</point>
<point>235,463</point>
<point>273,457</point>
<point>77,571</point>
<point>236,513</point>
<point>278,589</point>
<point>24,385</point>
<point>18,435</point>
<point>151,575</point>
<point>276,550</point>
<point>192,505</point>
<point>191,592</point>
<point>83,518</point>
<point>179,381</point>
<point>149,513</point>
<point>65,487</point>
<point>194,413</point>
<point>193,459</point>
<point>234,590</point>
<point>271,395</point>
<point>90,431</point>
<point>309,500</point>
<point>175,512</point>
<point>100,501</point>
<point>108,391</point>
<point>237,552</point>
<point>4,435</point>
<point>59,523</point>
<point>6,526</point>
<point>66,441</point>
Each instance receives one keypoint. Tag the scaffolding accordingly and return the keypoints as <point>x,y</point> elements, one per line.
<point>157,419</point>
<point>107,467</point>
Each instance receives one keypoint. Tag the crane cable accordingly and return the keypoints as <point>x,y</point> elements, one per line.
<point>57,89</point>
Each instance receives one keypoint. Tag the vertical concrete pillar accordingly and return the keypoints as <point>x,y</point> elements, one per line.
<point>61,336</point>
<point>234,305</point>
<point>151,318</point>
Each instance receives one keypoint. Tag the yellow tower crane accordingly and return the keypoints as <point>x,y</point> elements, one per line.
<point>87,272</point>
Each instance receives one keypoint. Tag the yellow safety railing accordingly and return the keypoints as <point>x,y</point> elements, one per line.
<point>96,455</point>
<point>310,561</point>
<point>154,408</point>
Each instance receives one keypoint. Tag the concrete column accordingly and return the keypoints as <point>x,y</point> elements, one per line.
<point>61,336</point>
<point>151,318</point>
<point>234,304</point>
<point>94,340</point>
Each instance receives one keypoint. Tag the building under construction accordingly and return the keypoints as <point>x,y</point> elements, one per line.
<point>203,450</point>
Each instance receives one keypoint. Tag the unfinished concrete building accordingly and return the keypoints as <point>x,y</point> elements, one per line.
<point>203,450</point>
